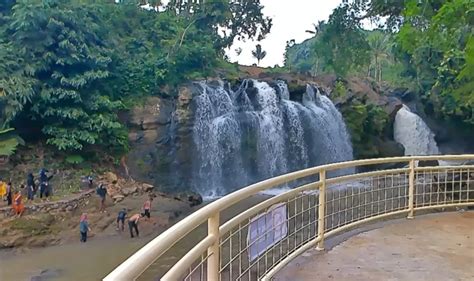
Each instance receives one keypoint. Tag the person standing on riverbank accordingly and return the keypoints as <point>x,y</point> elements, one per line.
<point>9,194</point>
<point>133,223</point>
<point>121,219</point>
<point>18,206</point>
<point>3,189</point>
<point>102,192</point>
<point>147,208</point>
<point>44,185</point>
<point>31,187</point>
<point>84,227</point>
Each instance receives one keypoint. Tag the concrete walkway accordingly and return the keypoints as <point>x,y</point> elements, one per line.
<point>432,247</point>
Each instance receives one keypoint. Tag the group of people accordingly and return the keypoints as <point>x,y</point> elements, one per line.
<point>132,221</point>
<point>15,198</point>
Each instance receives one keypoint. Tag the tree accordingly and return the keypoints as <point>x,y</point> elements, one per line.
<point>437,38</point>
<point>236,20</point>
<point>379,43</point>
<point>258,53</point>
<point>342,45</point>
<point>61,52</point>
<point>71,66</point>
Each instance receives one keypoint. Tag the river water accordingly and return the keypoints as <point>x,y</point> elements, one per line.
<point>96,258</point>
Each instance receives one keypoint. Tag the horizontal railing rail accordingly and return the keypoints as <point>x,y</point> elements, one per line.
<point>259,241</point>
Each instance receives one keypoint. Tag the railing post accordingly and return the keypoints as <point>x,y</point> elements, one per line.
<point>213,251</point>
<point>411,190</point>
<point>321,209</point>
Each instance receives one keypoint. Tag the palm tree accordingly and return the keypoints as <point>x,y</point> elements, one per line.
<point>379,47</point>
<point>258,53</point>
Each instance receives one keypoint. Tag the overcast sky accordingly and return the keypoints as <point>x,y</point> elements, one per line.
<point>290,20</point>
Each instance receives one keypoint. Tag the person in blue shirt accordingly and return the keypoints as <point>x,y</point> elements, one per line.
<point>121,219</point>
<point>102,192</point>
<point>84,227</point>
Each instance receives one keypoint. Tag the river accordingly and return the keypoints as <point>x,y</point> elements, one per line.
<point>96,258</point>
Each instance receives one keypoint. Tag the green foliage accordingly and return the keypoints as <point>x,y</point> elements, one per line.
<point>340,90</point>
<point>437,37</point>
<point>425,45</point>
<point>342,46</point>
<point>74,159</point>
<point>366,124</point>
<point>9,142</point>
<point>71,66</point>
<point>39,225</point>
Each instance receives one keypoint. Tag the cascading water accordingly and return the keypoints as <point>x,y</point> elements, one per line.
<point>257,132</point>
<point>412,132</point>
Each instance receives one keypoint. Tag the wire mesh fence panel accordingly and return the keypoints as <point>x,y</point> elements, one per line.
<point>357,199</point>
<point>198,271</point>
<point>258,239</point>
<point>248,252</point>
<point>444,186</point>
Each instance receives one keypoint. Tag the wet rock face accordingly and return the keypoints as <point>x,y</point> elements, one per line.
<point>161,130</point>
<point>160,140</point>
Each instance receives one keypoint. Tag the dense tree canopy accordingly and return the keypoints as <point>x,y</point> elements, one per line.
<point>70,66</point>
<point>427,45</point>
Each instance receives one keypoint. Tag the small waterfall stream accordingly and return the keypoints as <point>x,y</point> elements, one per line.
<point>257,132</point>
<point>412,132</point>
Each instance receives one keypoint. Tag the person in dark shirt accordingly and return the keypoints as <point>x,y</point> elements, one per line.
<point>102,192</point>
<point>9,194</point>
<point>121,219</point>
<point>44,185</point>
<point>31,187</point>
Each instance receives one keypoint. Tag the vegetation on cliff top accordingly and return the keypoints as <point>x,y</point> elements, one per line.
<point>68,67</point>
<point>426,45</point>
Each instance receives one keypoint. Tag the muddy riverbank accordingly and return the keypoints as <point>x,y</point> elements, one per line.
<point>71,260</point>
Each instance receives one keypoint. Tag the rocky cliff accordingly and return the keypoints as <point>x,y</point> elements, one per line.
<point>161,130</point>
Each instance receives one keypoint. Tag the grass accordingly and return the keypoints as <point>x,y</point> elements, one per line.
<point>38,225</point>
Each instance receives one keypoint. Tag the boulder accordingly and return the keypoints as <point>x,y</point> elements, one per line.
<point>111,177</point>
<point>155,112</point>
<point>117,198</point>
<point>146,187</point>
<point>389,148</point>
<point>404,94</point>
<point>129,190</point>
<point>192,198</point>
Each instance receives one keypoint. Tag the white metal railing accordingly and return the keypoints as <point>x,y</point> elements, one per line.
<point>321,206</point>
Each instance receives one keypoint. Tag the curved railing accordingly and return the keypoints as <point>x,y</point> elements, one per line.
<point>257,242</point>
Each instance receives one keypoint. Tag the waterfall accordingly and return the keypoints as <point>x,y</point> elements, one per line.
<point>257,132</point>
<point>412,132</point>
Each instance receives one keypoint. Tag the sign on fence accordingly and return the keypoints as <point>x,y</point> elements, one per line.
<point>265,230</point>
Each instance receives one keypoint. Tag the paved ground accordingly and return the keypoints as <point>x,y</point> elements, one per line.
<point>431,247</point>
